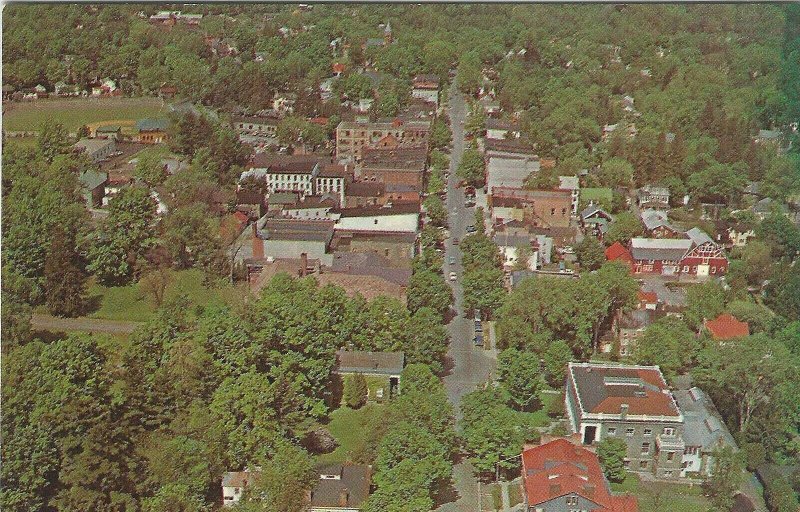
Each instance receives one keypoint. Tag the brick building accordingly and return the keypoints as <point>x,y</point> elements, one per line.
<point>395,165</point>
<point>353,136</point>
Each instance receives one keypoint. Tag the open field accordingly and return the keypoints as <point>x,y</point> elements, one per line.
<point>76,112</point>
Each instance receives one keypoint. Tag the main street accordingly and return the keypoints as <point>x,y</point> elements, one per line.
<point>468,365</point>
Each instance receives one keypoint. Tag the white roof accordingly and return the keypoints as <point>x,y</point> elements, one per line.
<point>661,243</point>
<point>568,182</point>
<point>509,172</point>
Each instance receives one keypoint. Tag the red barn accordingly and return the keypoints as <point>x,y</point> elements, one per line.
<point>697,254</point>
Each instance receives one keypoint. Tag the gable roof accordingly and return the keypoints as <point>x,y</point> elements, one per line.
<point>617,251</point>
<point>356,361</point>
<point>653,219</point>
<point>699,237</point>
<point>349,489</point>
<point>151,125</point>
<point>560,468</point>
<point>667,249</point>
<point>726,326</point>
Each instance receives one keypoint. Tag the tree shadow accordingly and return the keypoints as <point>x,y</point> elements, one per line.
<point>449,315</point>
<point>91,304</point>
<point>448,364</point>
<point>46,336</point>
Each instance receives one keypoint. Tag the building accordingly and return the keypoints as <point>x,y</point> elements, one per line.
<point>395,165</point>
<point>396,249</point>
<point>726,327</point>
<point>255,126</point>
<point>285,173</point>
<point>510,172</point>
<point>283,102</point>
<point>233,485</point>
<point>595,221</point>
<point>631,403</point>
<point>618,252</point>
<point>365,193</point>
<point>108,132</point>
<point>340,488</point>
<point>501,129</point>
<point>540,208</point>
<point>426,88</point>
<point>508,148</point>
<point>151,131</point>
<point>333,179</point>
<point>93,187</point>
<point>704,257</point>
<point>397,218</point>
<point>629,326</point>
<point>509,247</point>
<point>291,238</point>
<point>651,196</point>
<point>697,255</point>
<point>559,477</point>
<point>96,149</point>
<point>572,185</point>
<point>656,224</point>
<point>353,136</point>
<point>704,432</point>
<point>379,366</point>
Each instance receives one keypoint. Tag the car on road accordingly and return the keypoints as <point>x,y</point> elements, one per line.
<point>478,324</point>
<point>478,340</point>
<point>471,229</point>
<point>453,276</point>
<point>452,260</point>
<point>455,241</point>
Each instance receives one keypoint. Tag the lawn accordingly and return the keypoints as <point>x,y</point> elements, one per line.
<point>663,497</point>
<point>540,417</point>
<point>76,112</point>
<point>351,428</point>
<point>132,304</point>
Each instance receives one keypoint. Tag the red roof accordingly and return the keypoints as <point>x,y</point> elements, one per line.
<point>726,326</point>
<point>617,251</point>
<point>322,121</point>
<point>338,67</point>
<point>647,297</point>
<point>559,469</point>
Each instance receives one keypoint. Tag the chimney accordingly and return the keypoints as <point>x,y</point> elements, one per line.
<point>258,244</point>
<point>304,264</point>
<point>623,411</point>
<point>343,497</point>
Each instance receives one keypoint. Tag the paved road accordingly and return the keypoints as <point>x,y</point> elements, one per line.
<point>56,324</point>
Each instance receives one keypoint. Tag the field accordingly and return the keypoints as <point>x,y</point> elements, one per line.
<point>76,112</point>
<point>663,497</point>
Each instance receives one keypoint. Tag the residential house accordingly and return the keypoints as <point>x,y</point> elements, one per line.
<point>426,88</point>
<point>595,221</point>
<point>333,179</point>
<point>340,488</point>
<point>233,485</point>
<point>491,106</point>
<point>571,184</point>
<point>509,247</point>
<point>618,252</point>
<point>704,257</point>
<point>93,186</point>
<point>255,126</point>
<point>509,172</point>
<point>96,149</point>
<point>389,275</point>
<point>381,367</point>
<point>395,165</point>
<point>630,130</point>
<point>353,136</point>
<point>251,202</point>
<point>108,132</point>
<point>733,234</point>
<point>64,89</point>
<point>151,131</point>
<point>726,327</point>
<point>652,196</point>
<point>106,87</point>
<point>657,225</point>
<point>559,476</point>
<point>629,326</point>
<point>631,403</point>
<point>284,173</point>
<point>769,137</point>
<point>501,129</point>
<point>704,432</point>
<point>765,207</point>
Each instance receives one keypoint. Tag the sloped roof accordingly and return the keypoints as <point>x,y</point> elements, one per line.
<point>560,468</point>
<point>698,237</point>
<point>659,248</point>
<point>653,219</point>
<point>352,486</point>
<point>151,125</point>
<point>357,361</point>
<point>726,326</point>
<point>617,251</point>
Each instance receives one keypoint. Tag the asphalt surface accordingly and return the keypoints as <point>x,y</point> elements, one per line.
<point>469,365</point>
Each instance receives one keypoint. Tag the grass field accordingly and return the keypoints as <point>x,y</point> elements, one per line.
<point>351,429</point>
<point>76,112</point>
<point>130,303</point>
<point>663,497</point>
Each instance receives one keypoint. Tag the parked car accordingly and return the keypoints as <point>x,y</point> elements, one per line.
<point>478,340</point>
<point>453,276</point>
<point>478,325</point>
<point>471,229</point>
<point>452,260</point>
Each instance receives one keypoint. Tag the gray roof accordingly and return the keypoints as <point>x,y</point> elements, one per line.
<point>659,248</point>
<point>653,189</point>
<point>369,264</point>
<point>92,146</point>
<point>702,425</point>
<point>699,237</point>
<point>302,230</point>
<point>593,209</point>
<point>769,134</point>
<point>350,486</point>
<point>144,125</point>
<point>374,363</point>
<point>653,219</point>
<point>90,180</point>
<point>636,319</point>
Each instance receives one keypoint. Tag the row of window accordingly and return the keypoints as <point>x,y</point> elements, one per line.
<point>630,431</point>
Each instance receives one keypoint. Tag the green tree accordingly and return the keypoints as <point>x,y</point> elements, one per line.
<point>52,141</point>
<point>436,210</point>
<point>590,252</point>
<point>668,343</point>
<point>519,374</point>
<point>64,281</point>
<point>149,169</point>
<point>612,452</point>
<point>406,442</point>
<point>283,481</point>
<point>428,289</point>
<point>616,172</point>
<point>472,167</point>
<point>624,227</point>
<point>483,289</point>
<point>556,357</point>
<point>724,481</point>
<point>469,75</point>
<point>703,302</point>
<point>754,455</point>
<point>355,391</point>
<point>16,311</point>
<point>440,136</point>
<point>780,234</point>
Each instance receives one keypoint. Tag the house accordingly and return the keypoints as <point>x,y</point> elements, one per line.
<point>704,432</point>
<point>595,221</point>
<point>765,207</point>
<point>726,327</point>
<point>395,165</point>
<point>233,485</point>
<point>284,173</point>
<point>93,186</point>
<point>250,202</point>
<point>491,107</point>
<point>559,476</point>
<point>353,136</point>
<point>333,179</point>
<point>697,254</point>
<point>618,252</point>
<point>704,257</point>
<point>509,172</point>
<point>62,88</point>
<point>340,488</point>
<point>41,91</point>
<point>501,129</point>
<point>256,126</point>
<point>108,132</point>
<point>769,137</point>
<point>509,246</point>
<point>391,272</point>
<point>571,184</point>
<point>657,225</point>
<point>631,403</point>
<point>274,238</point>
<point>426,88</point>
<point>652,196</point>
<point>151,131</point>
<point>311,207</point>
<point>365,193</point>
<point>382,367</point>
<point>106,87</point>
<point>283,102</point>
<point>629,326</point>
<point>96,149</point>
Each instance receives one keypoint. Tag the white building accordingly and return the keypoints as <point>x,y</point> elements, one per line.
<point>284,174</point>
<point>510,172</point>
<point>400,218</point>
<point>96,149</point>
<point>233,485</point>
<point>572,184</point>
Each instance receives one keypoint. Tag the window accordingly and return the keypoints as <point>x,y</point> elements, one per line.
<point>375,221</point>
<point>552,211</point>
<point>612,431</point>
<point>668,474</point>
<point>236,490</point>
<point>629,432</point>
<point>642,464</point>
<point>686,268</point>
<point>645,448</point>
<point>669,431</point>
<point>648,431</point>
<point>572,500</point>
<point>670,456</point>
<point>626,464</point>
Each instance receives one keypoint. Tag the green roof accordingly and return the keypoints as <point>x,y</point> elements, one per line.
<point>148,125</point>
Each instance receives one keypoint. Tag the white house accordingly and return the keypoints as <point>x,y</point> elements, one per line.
<point>234,484</point>
<point>284,174</point>
<point>572,184</point>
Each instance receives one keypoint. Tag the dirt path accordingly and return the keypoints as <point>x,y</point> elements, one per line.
<point>52,323</point>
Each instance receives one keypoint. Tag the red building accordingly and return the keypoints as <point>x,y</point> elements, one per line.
<point>726,327</point>
<point>560,476</point>
<point>618,252</point>
<point>697,254</point>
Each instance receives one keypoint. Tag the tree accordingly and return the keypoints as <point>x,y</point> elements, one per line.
<point>754,455</point>
<point>668,343</point>
<point>155,283</point>
<point>52,141</point>
<point>469,75</point>
<point>590,252</point>
<point>283,481</point>
<point>556,357</point>
<point>624,227</point>
<point>149,169</point>
<point>406,442</point>
<point>440,136</point>
<point>703,302</point>
<point>472,167</point>
<point>724,481</point>
<point>355,391</point>
<point>780,234</point>
<point>475,124</point>
<point>436,210</point>
<point>616,172</point>
<point>612,452</point>
<point>780,496</point>
<point>65,283</point>
<point>519,374</point>
<point>483,289</point>
<point>480,226</point>
<point>428,289</point>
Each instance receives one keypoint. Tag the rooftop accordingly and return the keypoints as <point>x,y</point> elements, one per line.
<point>292,229</point>
<point>659,248</point>
<point>396,124</point>
<point>702,426</point>
<point>726,326</point>
<point>348,489</point>
<point>400,157</point>
<point>370,264</point>
<point>605,388</point>
<point>357,361</point>
<point>282,164</point>
<point>365,189</point>
<point>151,125</point>
<point>371,211</point>
<point>238,478</point>
<point>93,145</point>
